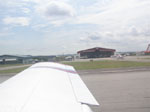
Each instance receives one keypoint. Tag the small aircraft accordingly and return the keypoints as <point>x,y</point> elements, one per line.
<point>46,87</point>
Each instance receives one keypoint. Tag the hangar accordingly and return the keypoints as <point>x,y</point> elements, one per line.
<point>14,59</point>
<point>96,52</point>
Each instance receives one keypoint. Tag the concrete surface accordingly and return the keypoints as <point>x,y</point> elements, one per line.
<point>120,92</point>
<point>117,92</point>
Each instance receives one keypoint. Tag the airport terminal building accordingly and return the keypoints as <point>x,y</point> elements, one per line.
<point>96,52</point>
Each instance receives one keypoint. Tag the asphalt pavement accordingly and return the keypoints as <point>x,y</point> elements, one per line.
<point>120,92</point>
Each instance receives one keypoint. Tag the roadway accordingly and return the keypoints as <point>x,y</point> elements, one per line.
<point>125,91</point>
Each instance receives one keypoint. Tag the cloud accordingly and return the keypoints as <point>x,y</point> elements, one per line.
<point>84,39</point>
<point>98,36</point>
<point>146,33</point>
<point>133,31</point>
<point>4,34</point>
<point>55,9</point>
<point>26,10</point>
<point>55,12</point>
<point>118,14</point>
<point>21,21</point>
<point>91,38</point>
<point>12,3</point>
<point>94,37</point>
<point>121,23</point>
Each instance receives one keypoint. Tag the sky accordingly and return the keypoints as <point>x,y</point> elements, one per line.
<point>52,27</point>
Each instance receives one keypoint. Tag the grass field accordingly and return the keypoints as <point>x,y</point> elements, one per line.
<point>14,70</point>
<point>145,58</point>
<point>91,65</point>
<point>8,65</point>
<point>106,64</point>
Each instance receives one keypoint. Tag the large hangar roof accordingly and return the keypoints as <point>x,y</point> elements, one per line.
<point>96,49</point>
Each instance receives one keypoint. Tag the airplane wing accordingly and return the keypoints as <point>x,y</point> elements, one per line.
<point>46,87</point>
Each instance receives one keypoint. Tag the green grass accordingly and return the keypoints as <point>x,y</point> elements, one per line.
<point>14,70</point>
<point>106,64</point>
<point>91,65</point>
<point>144,58</point>
<point>8,65</point>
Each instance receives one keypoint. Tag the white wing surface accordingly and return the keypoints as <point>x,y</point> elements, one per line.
<point>46,87</point>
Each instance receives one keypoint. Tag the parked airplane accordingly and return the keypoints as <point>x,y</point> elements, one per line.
<point>46,87</point>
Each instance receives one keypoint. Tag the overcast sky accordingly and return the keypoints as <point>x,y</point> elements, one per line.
<point>47,27</point>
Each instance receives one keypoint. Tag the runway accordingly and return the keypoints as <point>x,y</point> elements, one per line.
<point>117,92</point>
<point>120,92</point>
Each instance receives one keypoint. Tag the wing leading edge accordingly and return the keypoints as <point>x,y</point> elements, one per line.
<point>46,87</point>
